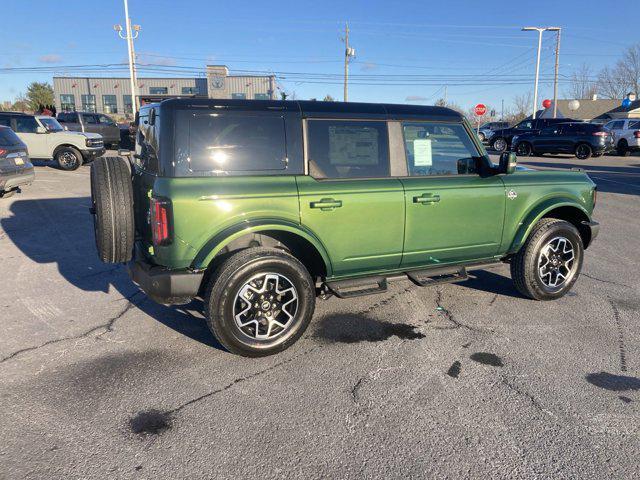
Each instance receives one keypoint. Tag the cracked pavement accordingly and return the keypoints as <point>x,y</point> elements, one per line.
<point>465,380</point>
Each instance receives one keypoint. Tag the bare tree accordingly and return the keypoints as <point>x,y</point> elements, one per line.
<point>629,67</point>
<point>581,84</point>
<point>521,107</point>
<point>611,83</point>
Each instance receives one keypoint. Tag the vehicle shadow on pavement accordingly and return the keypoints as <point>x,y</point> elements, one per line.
<point>491,282</point>
<point>612,179</point>
<point>60,231</point>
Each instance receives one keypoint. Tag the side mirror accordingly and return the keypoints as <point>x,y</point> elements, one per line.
<point>122,152</point>
<point>41,130</point>
<point>508,162</point>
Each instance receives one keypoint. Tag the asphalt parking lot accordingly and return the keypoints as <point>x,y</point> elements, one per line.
<point>465,380</point>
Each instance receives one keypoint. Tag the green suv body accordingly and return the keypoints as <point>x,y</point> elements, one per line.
<point>252,203</point>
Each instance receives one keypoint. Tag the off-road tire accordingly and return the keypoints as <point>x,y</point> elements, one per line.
<point>68,158</point>
<point>505,144</point>
<point>229,278</point>
<point>524,268</point>
<point>583,151</point>
<point>112,208</point>
<point>623,148</point>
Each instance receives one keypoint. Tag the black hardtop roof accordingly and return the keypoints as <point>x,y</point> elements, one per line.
<point>17,114</point>
<point>311,107</point>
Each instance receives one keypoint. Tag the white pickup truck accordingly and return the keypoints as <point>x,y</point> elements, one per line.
<point>626,135</point>
<point>46,139</point>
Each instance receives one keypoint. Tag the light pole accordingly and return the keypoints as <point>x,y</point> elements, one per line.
<point>130,36</point>
<point>348,53</point>
<point>535,88</point>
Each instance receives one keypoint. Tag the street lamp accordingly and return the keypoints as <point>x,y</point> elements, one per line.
<point>132,32</point>
<point>535,88</point>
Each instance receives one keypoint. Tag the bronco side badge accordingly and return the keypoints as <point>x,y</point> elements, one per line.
<point>512,195</point>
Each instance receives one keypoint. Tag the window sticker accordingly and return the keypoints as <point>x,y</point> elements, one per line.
<point>422,156</point>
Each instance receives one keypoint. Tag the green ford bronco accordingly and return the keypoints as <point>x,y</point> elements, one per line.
<point>259,207</point>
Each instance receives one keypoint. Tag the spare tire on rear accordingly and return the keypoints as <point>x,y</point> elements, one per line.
<point>112,208</point>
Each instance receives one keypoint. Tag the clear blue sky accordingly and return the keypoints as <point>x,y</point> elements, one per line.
<point>426,44</point>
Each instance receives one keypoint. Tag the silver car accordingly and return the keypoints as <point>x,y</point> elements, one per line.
<point>16,169</point>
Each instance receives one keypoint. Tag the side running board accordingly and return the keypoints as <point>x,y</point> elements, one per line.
<point>436,276</point>
<point>369,285</point>
<point>358,287</point>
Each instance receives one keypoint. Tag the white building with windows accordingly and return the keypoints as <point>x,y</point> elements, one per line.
<point>112,95</point>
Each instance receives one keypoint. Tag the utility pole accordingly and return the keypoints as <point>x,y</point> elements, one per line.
<point>502,112</point>
<point>535,88</point>
<point>129,36</point>
<point>445,95</point>
<point>348,53</point>
<point>555,76</point>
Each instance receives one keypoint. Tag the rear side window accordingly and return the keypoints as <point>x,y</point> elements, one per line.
<point>8,138</point>
<point>221,144</point>
<point>5,121</point>
<point>347,149</point>
<point>439,149</point>
<point>26,125</point>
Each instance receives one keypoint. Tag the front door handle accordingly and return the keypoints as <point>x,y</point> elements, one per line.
<point>426,198</point>
<point>327,204</point>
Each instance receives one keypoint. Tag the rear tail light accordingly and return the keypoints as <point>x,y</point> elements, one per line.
<point>160,210</point>
<point>2,152</point>
<point>600,134</point>
<point>636,134</point>
<point>595,196</point>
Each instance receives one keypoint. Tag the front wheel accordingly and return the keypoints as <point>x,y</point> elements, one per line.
<point>583,151</point>
<point>68,158</point>
<point>524,149</point>
<point>549,263</point>
<point>499,145</point>
<point>259,301</point>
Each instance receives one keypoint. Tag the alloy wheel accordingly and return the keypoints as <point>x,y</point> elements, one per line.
<point>265,306</point>
<point>582,151</point>
<point>68,159</point>
<point>556,262</point>
<point>500,145</point>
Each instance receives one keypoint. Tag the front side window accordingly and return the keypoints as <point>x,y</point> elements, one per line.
<point>158,90</point>
<point>439,149</point>
<point>238,96</point>
<point>214,144</point>
<point>89,103</point>
<point>617,125</point>
<point>90,119</point>
<point>67,103</point>
<point>26,125</point>
<point>347,149</point>
<point>104,120</point>
<point>5,121</point>
<point>528,125</point>
<point>110,103</point>
<point>51,124</point>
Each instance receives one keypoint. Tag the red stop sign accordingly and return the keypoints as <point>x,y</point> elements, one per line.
<point>480,109</point>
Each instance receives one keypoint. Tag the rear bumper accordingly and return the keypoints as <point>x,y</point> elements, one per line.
<point>594,227</point>
<point>9,181</point>
<point>169,287</point>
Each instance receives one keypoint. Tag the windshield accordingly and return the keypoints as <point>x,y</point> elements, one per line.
<point>51,124</point>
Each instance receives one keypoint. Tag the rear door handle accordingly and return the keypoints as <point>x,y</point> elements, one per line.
<point>327,204</point>
<point>426,198</point>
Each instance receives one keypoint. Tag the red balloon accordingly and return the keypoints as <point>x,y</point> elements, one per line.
<point>546,103</point>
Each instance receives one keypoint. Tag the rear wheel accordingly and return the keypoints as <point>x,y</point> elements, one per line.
<point>112,208</point>
<point>524,149</point>
<point>68,158</point>
<point>481,136</point>
<point>549,263</point>
<point>499,144</point>
<point>259,301</point>
<point>623,148</point>
<point>584,151</point>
